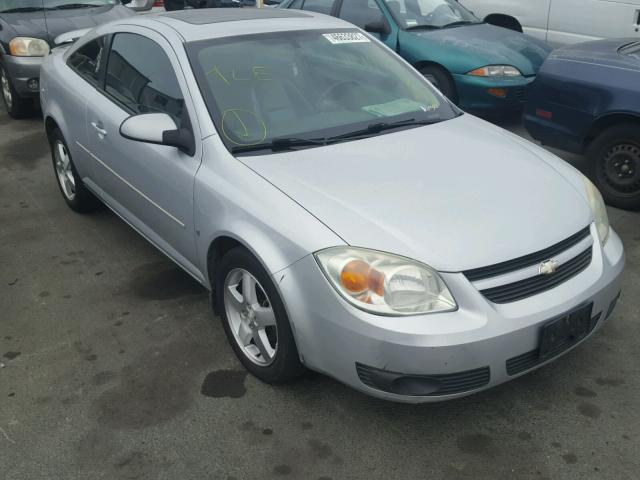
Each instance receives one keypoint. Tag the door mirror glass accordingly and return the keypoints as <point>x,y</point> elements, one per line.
<point>159,129</point>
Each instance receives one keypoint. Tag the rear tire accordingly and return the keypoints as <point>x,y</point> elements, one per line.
<point>245,296</point>
<point>73,190</point>
<point>441,79</point>
<point>17,107</point>
<point>614,165</point>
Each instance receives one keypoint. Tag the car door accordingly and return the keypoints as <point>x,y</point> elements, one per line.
<point>573,21</point>
<point>151,186</point>
<point>87,61</point>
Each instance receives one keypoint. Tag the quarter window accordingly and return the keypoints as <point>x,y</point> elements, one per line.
<point>141,77</point>
<point>86,61</point>
<point>361,12</point>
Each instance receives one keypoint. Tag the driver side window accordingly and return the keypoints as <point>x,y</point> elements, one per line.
<point>361,12</point>
<point>141,77</point>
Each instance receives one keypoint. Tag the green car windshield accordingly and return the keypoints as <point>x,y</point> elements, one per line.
<point>314,86</point>
<point>426,14</point>
<point>24,6</point>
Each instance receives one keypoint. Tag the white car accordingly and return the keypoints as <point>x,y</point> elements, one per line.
<point>562,22</point>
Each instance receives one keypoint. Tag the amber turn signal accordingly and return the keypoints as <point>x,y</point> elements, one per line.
<point>357,276</point>
<point>498,92</point>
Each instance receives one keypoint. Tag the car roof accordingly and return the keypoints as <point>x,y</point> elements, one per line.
<point>201,24</point>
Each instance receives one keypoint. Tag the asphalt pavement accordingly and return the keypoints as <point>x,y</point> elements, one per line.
<point>113,367</point>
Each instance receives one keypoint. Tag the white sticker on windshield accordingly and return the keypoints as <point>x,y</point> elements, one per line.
<point>346,37</point>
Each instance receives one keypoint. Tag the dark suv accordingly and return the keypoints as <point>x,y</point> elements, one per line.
<point>28,29</point>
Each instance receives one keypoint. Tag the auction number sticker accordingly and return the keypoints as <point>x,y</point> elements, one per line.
<point>346,37</point>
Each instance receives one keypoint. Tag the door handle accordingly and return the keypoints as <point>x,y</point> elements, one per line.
<point>98,128</point>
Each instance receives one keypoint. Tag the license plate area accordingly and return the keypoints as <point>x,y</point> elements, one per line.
<point>559,334</point>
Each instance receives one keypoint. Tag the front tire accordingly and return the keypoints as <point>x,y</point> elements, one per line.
<point>441,79</point>
<point>254,318</point>
<point>17,106</point>
<point>73,190</point>
<point>614,165</point>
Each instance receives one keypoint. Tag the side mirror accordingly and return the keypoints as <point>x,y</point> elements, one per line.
<point>136,6</point>
<point>159,129</point>
<point>378,26</point>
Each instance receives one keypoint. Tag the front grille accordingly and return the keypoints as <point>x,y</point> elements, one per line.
<point>527,260</point>
<point>423,385</point>
<point>530,359</point>
<point>534,285</point>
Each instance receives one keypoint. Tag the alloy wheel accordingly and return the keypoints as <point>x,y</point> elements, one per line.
<point>64,172</point>
<point>6,88</point>
<point>251,317</point>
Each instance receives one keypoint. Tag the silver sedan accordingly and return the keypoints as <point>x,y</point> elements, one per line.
<point>346,216</point>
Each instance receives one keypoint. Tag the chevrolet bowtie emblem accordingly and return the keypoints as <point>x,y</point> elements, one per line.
<point>548,267</point>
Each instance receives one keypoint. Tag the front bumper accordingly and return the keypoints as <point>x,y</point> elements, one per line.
<point>472,344</point>
<point>474,96</point>
<point>21,70</point>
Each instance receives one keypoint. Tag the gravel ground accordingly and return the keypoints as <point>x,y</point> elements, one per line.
<point>113,367</point>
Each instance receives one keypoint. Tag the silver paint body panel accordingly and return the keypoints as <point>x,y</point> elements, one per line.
<point>456,195</point>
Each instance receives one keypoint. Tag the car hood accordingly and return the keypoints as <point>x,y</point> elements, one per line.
<point>483,44</point>
<point>456,195</point>
<point>49,24</point>
<point>600,52</point>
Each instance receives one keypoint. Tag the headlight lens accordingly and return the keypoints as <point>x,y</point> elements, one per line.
<point>385,284</point>
<point>496,71</point>
<point>598,209</point>
<point>28,47</point>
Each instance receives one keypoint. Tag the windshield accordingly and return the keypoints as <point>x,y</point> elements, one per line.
<point>312,85</point>
<point>424,14</point>
<point>18,6</point>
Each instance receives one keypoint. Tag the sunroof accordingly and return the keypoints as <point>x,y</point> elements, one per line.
<point>218,15</point>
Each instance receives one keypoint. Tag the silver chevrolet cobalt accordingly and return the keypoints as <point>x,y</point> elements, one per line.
<point>346,216</point>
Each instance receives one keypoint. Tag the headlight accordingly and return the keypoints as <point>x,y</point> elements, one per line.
<point>385,284</point>
<point>599,210</point>
<point>496,71</point>
<point>28,47</point>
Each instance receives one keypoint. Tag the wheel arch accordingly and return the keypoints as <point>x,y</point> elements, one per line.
<point>606,121</point>
<point>50,125</point>
<point>429,63</point>
<point>504,21</point>
<point>218,247</point>
<point>223,243</point>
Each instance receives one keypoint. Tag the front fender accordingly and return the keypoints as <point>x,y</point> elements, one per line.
<point>233,201</point>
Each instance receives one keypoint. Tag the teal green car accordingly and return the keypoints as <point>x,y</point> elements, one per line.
<point>481,67</point>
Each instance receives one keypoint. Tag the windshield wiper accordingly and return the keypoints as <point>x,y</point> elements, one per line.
<point>375,128</point>
<point>22,10</point>
<point>461,22</point>
<point>71,6</point>
<point>277,144</point>
<point>291,143</point>
<point>423,27</point>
